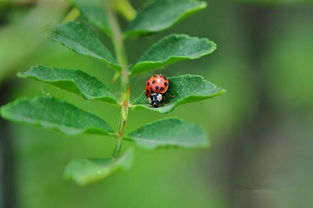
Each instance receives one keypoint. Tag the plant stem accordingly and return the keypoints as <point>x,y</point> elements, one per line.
<point>72,15</point>
<point>125,9</point>
<point>122,60</point>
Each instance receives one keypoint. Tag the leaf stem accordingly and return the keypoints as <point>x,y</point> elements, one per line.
<point>121,56</point>
<point>71,15</point>
<point>125,9</point>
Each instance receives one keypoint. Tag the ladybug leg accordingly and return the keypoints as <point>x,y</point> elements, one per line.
<point>168,96</point>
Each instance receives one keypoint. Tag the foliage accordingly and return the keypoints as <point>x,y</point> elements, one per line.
<point>85,171</point>
<point>82,40</point>
<point>169,132</point>
<point>50,112</point>
<point>172,49</point>
<point>72,80</point>
<point>183,89</point>
<point>160,15</point>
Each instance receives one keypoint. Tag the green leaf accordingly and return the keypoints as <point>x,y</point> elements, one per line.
<point>52,113</point>
<point>182,89</point>
<point>159,15</point>
<point>72,80</point>
<point>94,12</point>
<point>169,133</point>
<point>172,49</point>
<point>82,40</point>
<point>86,171</point>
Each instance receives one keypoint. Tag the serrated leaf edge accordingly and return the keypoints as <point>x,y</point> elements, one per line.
<point>185,144</point>
<point>141,106</point>
<point>111,100</point>
<point>48,125</point>
<point>132,32</point>
<point>171,59</point>
<point>113,65</point>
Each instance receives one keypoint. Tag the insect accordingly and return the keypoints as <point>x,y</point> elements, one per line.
<point>156,86</point>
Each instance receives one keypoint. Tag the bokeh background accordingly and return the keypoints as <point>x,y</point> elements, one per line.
<point>261,130</point>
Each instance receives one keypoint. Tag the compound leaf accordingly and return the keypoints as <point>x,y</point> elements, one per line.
<point>169,133</point>
<point>94,12</point>
<point>182,89</point>
<point>86,171</point>
<point>82,40</point>
<point>50,112</point>
<point>159,15</point>
<point>172,49</point>
<point>72,80</point>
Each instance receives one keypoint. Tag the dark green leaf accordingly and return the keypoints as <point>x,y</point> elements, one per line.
<point>86,171</point>
<point>94,12</point>
<point>52,113</point>
<point>172,49</point>
<point>82,40</point>
<point>182,89</point>
<point>72,80</point>
<point>169,133</point>
<point>159,15</point>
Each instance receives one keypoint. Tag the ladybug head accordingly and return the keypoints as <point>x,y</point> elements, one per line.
<point>155,99</point>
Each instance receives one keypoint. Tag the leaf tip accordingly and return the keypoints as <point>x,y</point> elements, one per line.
<point>25,74</point>
<point>1,111</point>
<point>20,75</point>
<point>223,91</point>
<point>204,4</point>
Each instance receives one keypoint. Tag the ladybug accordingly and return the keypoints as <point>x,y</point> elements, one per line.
<point>156,86</point>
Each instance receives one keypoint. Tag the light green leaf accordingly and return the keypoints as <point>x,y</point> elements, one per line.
<point>172,49</point>
<point>169,133</point>
<point>182,89</point>
<point>86,171</point>
<point>94,12</point>
<point>52,113</point>
<point>82,40</point>
<point>159,15</point>
<point>72,80</point>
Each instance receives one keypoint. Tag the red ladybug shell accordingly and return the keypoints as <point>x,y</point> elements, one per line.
<point>157,83</point>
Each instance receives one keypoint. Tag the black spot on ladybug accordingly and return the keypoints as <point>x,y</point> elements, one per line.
<point>147,91</point>
<point>165,83</point>
<point>153,82</point>
<point>165,78</point>
<point>162,88</point>
<point>148,83</point>
<point>156,87</point>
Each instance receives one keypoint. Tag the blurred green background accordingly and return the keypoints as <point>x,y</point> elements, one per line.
<point>261,129</point>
